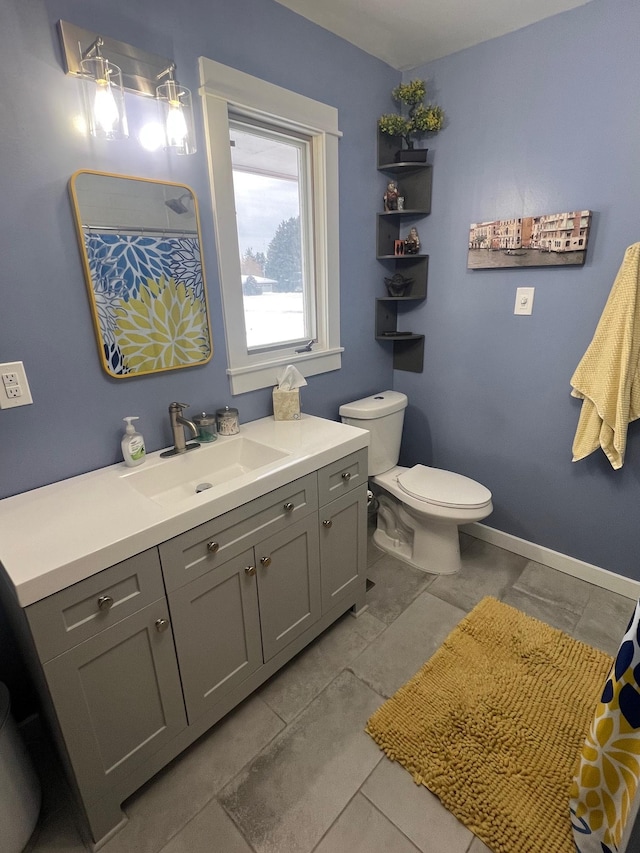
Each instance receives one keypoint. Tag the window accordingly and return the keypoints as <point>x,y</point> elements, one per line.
<point>275,236</point>
<point>273,165</point>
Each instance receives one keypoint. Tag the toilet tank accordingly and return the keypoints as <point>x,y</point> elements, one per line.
<point>383,415</point>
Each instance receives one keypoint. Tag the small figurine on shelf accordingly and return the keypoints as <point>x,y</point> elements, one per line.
<point>391,197</point>
<point>412,242</point>
<point>398,284</point>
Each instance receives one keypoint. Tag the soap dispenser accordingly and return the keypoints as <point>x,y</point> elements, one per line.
<point>132,444</point>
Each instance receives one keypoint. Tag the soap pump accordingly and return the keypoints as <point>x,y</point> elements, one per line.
<point>132,444</point>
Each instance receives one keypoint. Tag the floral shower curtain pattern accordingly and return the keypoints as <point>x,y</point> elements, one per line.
<point>608,773</point>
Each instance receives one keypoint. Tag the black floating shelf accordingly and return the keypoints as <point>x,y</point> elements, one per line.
<point>406,212</point>
<point>408,353</point>
<point>403,167</point>
<point>414,183</point>
<point>399,257</point>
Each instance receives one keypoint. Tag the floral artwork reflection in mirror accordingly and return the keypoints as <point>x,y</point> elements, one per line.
<point>140,242</point>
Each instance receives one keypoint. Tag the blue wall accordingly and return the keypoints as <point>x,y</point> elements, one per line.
<point>540,121</point>
<point>75,423</point>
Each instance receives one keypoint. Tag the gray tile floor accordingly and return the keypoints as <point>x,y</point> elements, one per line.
<point>291,770</point>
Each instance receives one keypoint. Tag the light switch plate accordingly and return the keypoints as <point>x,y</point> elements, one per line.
<point>14,388</point>
<point>524,300</point>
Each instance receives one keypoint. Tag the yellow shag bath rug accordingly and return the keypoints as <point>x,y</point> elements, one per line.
<point>493,725</point>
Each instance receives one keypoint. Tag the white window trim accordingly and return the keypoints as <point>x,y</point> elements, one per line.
<point>224,88</point>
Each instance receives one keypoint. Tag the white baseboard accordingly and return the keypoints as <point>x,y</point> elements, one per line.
<point>563,563</point>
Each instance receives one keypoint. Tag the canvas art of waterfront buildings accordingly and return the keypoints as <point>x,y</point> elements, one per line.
<point>556,239</point>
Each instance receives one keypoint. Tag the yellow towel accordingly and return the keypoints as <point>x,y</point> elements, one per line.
<point>608,378</point>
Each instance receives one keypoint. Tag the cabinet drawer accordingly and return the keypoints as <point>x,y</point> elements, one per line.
<point>71,616</point>
<point>197,551</point>
<point>340,477</point>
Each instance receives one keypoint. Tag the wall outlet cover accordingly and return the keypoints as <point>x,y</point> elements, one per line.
<point>524,300</point>
<point>14,388</point>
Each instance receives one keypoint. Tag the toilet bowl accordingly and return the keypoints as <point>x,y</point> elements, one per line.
<point>420,507</point>
<point>422,510</point>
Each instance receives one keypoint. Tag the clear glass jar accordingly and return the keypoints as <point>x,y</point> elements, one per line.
<point>207,430</point>
<point>227,421</point>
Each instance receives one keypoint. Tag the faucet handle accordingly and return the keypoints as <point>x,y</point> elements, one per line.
<point>178,407</point>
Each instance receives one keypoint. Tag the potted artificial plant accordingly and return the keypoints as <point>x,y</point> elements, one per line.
<point>420,119</point>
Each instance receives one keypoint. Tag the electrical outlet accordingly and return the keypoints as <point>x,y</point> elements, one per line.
<point>14,390</point>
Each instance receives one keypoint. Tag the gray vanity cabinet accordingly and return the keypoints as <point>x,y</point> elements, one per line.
<point>343,545</point>
<point>216,625</point>
<point>342,491</point>
<point>138,660</point>
<point>242,611</point>
<point>118,698</point>
<point>110,668</point>
<point>288,574</point>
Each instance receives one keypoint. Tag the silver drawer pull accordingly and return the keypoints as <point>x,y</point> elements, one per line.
<point>212,547</point>
<point>161,625</point>
<point>346,476</point>
<point>250,570</point>
<point>266,561</point>
<point>327,523</point>
<point>289,507</point>
<point>105,602</point>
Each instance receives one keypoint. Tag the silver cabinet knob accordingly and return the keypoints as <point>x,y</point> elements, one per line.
<point>289,507</point>
<point>161,625</point>
<point>250,570</point>
<point>346,476</point>
<point>212,547</point>
<point>327,523</point>
<point>105,602</point>
<point>265,561</point>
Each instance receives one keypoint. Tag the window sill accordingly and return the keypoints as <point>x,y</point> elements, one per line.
<point>265,375</point>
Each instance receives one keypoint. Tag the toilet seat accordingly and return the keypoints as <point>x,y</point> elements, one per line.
<point>443,488</point>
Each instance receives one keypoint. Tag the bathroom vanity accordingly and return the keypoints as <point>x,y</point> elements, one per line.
<point>148,609</point>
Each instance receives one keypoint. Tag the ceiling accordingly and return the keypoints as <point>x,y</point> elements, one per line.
<point>412,32</point>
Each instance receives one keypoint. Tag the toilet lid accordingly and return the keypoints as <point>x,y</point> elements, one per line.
<point>443,488</point>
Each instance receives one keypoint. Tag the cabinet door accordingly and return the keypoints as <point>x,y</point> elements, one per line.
<point>118,698</point>
<point>217,632</point>
<point>288,567</point>
<point>343,545</point>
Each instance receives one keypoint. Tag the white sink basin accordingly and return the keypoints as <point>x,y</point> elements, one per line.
<point>177,478</point>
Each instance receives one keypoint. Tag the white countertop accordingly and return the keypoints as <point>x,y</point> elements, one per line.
<point>60,534</point>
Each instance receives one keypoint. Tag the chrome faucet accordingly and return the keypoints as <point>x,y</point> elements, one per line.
<point>178,423</point>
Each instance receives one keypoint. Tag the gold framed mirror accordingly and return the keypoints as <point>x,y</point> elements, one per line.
<point>140,243</point>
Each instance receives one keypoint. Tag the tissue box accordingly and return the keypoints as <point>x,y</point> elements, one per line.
<point>286,405</point>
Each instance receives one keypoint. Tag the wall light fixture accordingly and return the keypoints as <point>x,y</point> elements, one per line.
<point>104,94</point>
<point>107,67</point>
<point>175,102</point>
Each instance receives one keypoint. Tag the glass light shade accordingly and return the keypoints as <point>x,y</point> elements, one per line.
<point>177,117</point>
<point>104,98</point>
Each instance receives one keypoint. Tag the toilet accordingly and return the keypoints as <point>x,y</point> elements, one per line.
<point>420,507</point>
